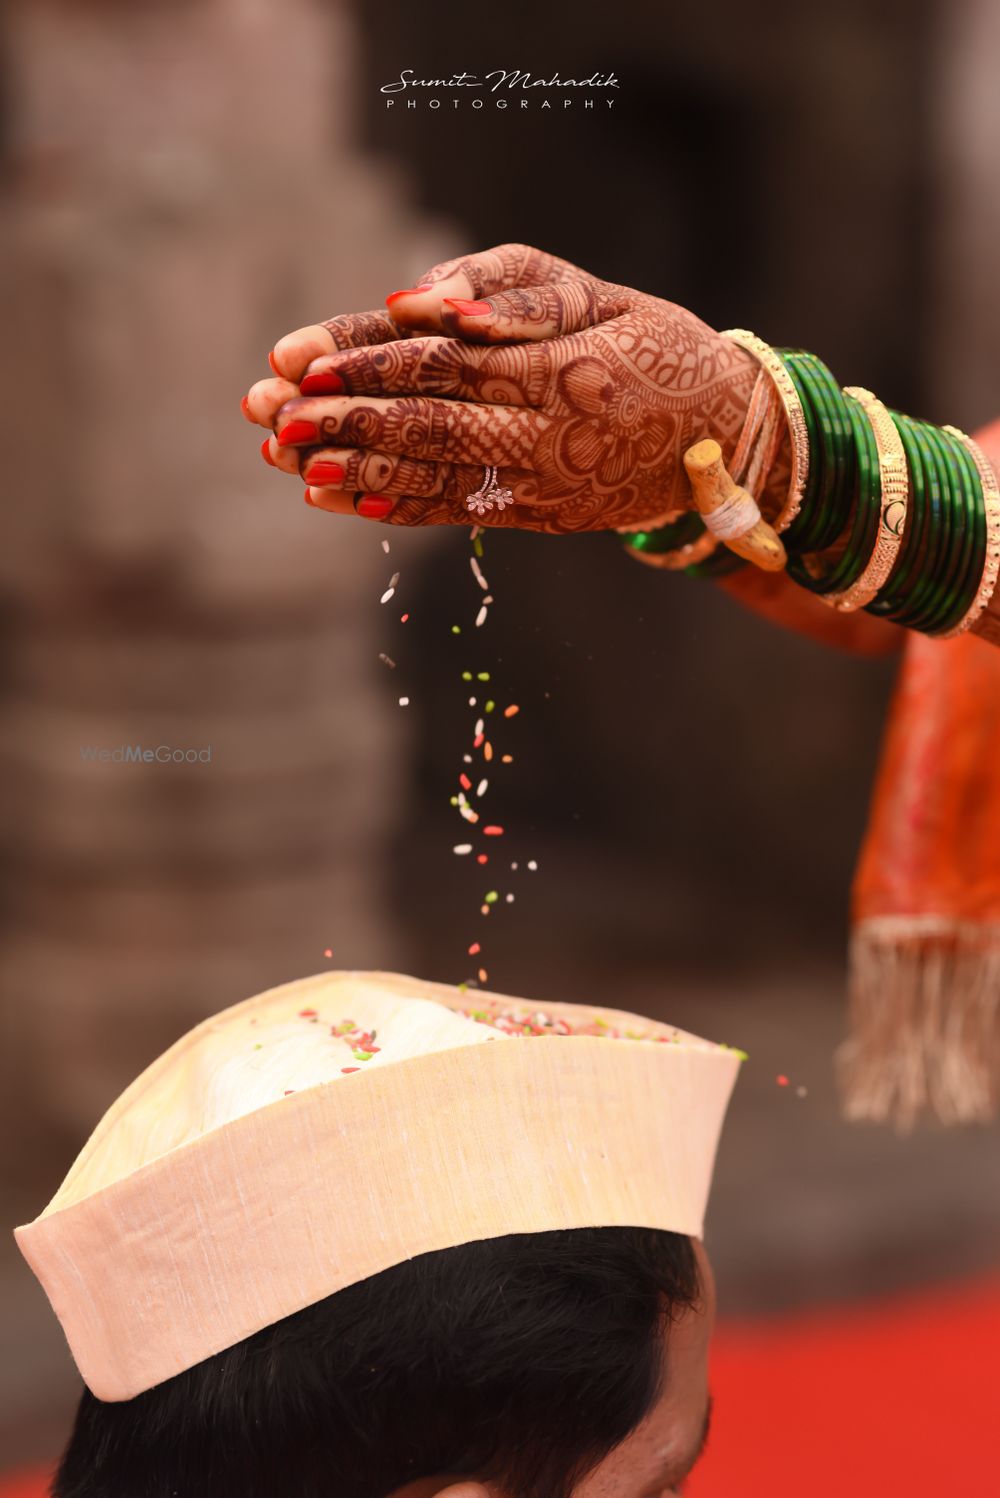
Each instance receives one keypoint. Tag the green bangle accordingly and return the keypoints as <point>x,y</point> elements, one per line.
<point>890,598</point>
<point>987,491</point>
<point>867,514</point>
<point>967,569</point>
<point>681,532</point>
<point>837,429</point>
<point>958,535</point>
<point>927,596</point>
<point>803,521</point>
<point>826,506</point>
<point>928,536</point>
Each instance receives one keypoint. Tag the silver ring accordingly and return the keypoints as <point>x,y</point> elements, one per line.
<point>488,494</point>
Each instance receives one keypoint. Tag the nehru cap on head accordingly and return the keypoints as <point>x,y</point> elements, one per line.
<point>331,1128</point>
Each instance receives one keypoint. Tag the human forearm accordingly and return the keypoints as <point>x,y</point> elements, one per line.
<point>892,515</point>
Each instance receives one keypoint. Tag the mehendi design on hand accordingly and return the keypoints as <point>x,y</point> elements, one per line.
<point>358,329</point>
<point>505,266</point>
<point>587,428</point>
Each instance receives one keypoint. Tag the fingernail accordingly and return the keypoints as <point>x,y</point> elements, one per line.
<point>326,473</point>
<point>308,498</point>
<point>245,408</point>
<point>374,506</point>
<point>327,383</point>
<point>468,309</point>
<point>409,291</point>
<point>265,452</point>
<point>298,431</point>
<point>270,360</point>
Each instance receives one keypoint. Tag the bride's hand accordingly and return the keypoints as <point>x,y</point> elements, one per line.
<point>417,309</point>
<point>586,423</point>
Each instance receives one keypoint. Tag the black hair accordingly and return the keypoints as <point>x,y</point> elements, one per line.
<point>523,1359</point>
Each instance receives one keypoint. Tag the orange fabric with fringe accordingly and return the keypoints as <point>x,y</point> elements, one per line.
<point>925,946</point>
<point>932,847</point>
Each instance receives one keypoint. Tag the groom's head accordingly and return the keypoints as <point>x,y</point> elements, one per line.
<point>538,1365</point>
<point>368,1237</point>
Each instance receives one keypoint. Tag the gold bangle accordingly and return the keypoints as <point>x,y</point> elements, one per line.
<point>794,415</point>
<point>895,490</point>
<point>991,562</point>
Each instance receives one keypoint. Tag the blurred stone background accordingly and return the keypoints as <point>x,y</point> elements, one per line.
<point>182,184</point>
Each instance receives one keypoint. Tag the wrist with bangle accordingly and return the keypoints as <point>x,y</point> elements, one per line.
<point>882,512</point>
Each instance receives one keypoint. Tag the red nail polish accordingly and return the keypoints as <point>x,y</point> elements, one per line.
<point>327,383</point>
<point>374,506</point>
<point>298,432</point>
<point>308,498</point>
<point>270,360</point>
<point>409,291</point>
<point>468,309</point>
<point>265,452</point>
<point>245,408</point>
<point>326,473</point>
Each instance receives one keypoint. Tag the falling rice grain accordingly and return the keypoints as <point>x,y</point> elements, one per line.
<point>390,590</point>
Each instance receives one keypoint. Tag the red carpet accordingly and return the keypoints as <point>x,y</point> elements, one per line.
<point>901,1398</point>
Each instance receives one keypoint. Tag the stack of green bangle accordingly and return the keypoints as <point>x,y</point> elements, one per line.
<point>937,572</point>
<point>944,547</point>
<point>867,507</point>
<point>833,461</point>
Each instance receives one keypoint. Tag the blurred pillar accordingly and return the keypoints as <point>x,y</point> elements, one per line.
<point>964,314</point>
<point>181,190</point>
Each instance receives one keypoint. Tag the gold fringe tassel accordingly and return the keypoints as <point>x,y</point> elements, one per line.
<point>924,1005</point>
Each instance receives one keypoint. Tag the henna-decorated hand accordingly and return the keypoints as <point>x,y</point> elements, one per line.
<point>587,422</point>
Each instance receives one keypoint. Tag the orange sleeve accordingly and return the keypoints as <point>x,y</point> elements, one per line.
<point>774,596</point>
